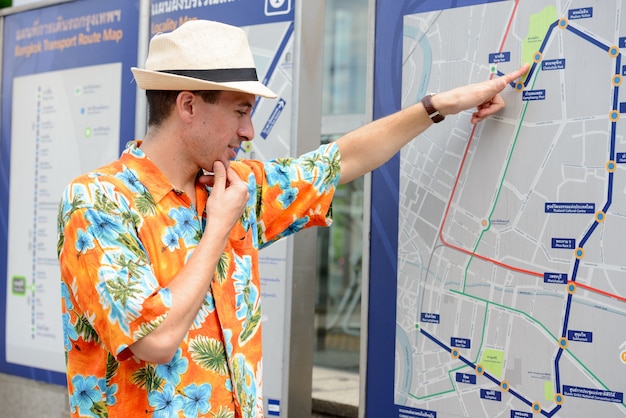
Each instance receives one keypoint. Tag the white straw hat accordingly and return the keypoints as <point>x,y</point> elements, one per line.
<point>201,55</point>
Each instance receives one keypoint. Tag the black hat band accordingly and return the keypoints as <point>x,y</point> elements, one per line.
<point>219,75</point>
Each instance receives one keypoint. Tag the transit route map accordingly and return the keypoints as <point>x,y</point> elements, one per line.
<point>511,294</point>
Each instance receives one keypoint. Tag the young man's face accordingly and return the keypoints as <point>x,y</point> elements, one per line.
<point>220,128</point>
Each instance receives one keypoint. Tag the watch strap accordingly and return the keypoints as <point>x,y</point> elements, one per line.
<point>433,113</point>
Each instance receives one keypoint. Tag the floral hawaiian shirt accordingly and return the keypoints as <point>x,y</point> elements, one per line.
<point>124,233</point>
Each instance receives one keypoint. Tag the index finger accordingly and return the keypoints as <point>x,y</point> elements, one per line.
<point>514,75</point>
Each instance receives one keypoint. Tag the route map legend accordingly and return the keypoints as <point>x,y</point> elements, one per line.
<point>87,100</point>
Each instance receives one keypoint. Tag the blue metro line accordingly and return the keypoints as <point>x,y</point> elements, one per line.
<point>487,374</point>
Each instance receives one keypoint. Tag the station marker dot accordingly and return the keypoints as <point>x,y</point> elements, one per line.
<point>558,399</point>
<point>611,166</point>
<point>617,80</point>
<point>600,216</point>
<point>571,288</point>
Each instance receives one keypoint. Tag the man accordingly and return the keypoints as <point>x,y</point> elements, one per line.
<point>159,250</point>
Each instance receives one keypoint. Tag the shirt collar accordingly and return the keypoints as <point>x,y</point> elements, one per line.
<point>147,172</point>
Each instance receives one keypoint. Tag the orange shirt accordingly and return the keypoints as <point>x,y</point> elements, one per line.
<point>124,233</point>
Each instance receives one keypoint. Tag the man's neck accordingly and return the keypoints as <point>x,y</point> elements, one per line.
<point>163,150</point>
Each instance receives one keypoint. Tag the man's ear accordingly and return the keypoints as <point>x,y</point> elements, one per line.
<point>185,104</point>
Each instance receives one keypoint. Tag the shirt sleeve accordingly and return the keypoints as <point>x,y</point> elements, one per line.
<point>296,193</point>
<point>106,268</point>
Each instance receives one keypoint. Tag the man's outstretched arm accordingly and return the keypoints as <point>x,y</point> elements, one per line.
<point>371,145</point>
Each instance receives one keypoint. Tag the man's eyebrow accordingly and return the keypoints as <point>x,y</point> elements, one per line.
<point>246,104</point>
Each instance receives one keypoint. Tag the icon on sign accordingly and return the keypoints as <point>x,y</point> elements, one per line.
<point>277,7</point>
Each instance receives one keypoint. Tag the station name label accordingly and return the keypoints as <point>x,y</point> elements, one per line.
<point>580,13</point>
<point>555,278</point>
<point>470,379</point>
<point>580,336</point>
<point>499,57</point>
<point>460,342</point>
<point>569,207</point>
<point>531,95</point>
<point>594,394</point>
<point>491,395</point>
<point>556,64</point>
<point>564,243</point>
<point>431,318</point>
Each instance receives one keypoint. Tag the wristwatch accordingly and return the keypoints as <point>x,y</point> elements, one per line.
<point>433,113</point>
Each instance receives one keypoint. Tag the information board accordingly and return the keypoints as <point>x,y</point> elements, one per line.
<point>67,107</point>
<point>498,280</point>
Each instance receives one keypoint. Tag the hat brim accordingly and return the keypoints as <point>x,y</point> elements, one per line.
<point>156,80</point>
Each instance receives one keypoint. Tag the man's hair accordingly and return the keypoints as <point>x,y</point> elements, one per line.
<point>161,103</point>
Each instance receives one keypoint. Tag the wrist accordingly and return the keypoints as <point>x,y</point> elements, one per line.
<point>432,106</point>
<point>215,236</point>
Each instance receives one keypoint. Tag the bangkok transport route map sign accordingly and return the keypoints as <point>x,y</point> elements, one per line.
<point>511,266</point>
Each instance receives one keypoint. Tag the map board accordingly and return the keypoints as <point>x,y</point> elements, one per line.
<point>68,105</point>
<point>507,257</point>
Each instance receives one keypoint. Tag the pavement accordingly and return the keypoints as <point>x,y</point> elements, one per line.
<point>335,393</point>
